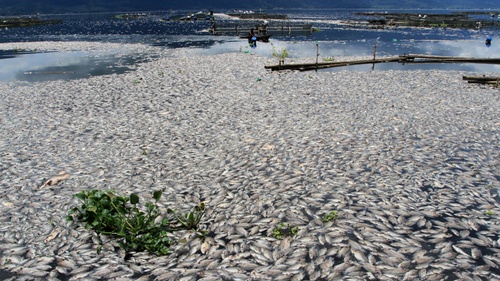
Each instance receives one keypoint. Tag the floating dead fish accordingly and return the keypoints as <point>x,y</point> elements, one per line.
<point>52,235</point>
<point>55,179</point>
<point>8,204</point>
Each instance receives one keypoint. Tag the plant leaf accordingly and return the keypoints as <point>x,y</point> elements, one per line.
<point>134,199</point>
<point>81,195</point>
<point>110,214</point>
<point>157,195</point>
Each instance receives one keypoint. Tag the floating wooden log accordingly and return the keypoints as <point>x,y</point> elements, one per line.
<point>481,78</point>
<point>411,58</point>
<point>496,83</point>
<point>491,80</point>
<point>437,59</point>
<point>321,65</point>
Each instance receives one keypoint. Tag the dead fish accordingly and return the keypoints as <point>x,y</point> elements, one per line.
<point>298,277</point>
<point>371,268</point>
<point>267,254</point>
<point>241,231</point>
<point>8,204</point>
<point>492,261</point>
<point>313,253</point>
<point>460,251</point>
<point>31,271</point>
<point>464,233</point>
<point>359,256</point>
<point>480,242</point>
<point>326,265</point>
<point>55,179</point>
<point>285,243</point>
<point>205,246</point>
<point>52,235</point>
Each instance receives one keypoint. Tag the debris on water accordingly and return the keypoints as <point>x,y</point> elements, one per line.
<point>56,179</point>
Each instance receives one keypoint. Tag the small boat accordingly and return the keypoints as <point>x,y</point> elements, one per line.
<point>260,38</point>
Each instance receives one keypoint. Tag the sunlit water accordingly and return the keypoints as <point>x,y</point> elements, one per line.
<point>333,40</point>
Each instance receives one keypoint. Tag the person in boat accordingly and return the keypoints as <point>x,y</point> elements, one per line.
<point>488,41</point>
<point>213,26</point>
<point>263,27</point>
<point>252,38</point>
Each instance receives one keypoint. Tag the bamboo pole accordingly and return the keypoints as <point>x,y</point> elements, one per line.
<point>481,78</point>
<point>404,59</point>
<point>490,80</point>
<point>319,65</point>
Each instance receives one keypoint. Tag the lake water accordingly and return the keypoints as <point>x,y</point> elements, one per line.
<point>334,39</point>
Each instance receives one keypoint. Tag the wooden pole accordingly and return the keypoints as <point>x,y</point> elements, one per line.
<point>375,48</point>
<point>375,53</point>
<point>481,78</point>
<point>317,54</point>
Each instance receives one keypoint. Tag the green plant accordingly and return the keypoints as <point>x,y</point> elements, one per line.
<point>120,218</point>
<point>333,215</point>
<point>190,220</point>
<point>489,213</point>
<point>280,231</point>
<point>280,54</point>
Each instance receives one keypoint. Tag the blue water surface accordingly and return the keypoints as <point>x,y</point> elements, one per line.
<point>333,39</point>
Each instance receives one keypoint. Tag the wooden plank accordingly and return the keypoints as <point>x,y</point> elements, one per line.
<point>479,61</point>
<point>483,82</point>
<point>491,80</point>
<point>321,65</point>
<point>481,78</point>
<point>453,59</point>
